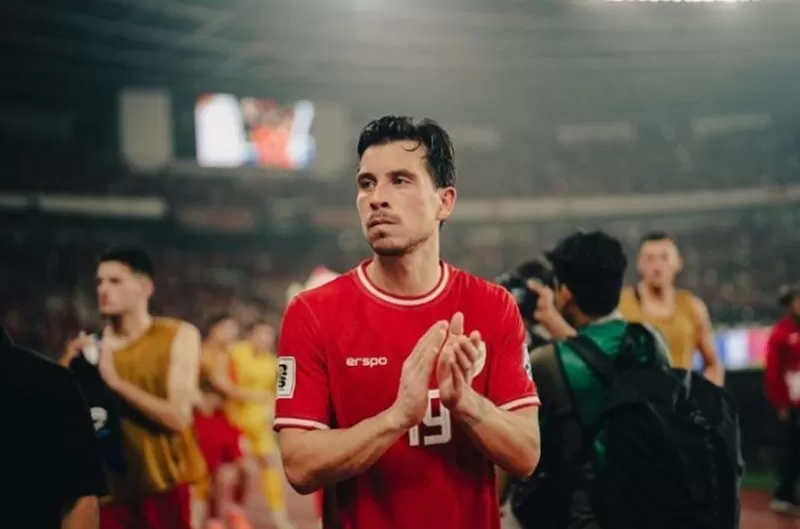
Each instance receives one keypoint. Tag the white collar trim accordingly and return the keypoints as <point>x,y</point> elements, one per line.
<point>444,279</point>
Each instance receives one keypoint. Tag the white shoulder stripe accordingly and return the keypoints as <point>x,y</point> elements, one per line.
<point>521,403</point>
<point>284,422</point>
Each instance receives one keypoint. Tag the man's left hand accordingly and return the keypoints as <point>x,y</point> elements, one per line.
<point>459,362</point>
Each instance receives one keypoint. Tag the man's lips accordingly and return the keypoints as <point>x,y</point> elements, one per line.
<point>372,223</point>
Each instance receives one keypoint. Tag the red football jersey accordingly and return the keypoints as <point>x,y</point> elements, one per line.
<point>219,441</point>
<point>341,350</point>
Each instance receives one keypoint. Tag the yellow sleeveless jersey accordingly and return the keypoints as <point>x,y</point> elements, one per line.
<point>680,330</point>
<point>255,372</point>
<point>156,459</point>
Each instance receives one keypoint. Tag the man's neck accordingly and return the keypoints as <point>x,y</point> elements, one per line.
<point>582,320</point>
<point>659,294</point>
<point>413,274</point>
<point>131,325</point>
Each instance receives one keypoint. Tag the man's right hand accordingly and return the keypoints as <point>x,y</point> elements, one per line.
<point>75,346</point>
<point>546,312</point>
<point>545,309</point>
<point>412,396</point>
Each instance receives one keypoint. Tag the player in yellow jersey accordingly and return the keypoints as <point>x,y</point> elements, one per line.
<point>256,365</point>
<point>151,366</point>
<point>680,316</point>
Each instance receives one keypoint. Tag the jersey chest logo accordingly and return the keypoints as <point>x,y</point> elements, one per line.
<point>366,361</point>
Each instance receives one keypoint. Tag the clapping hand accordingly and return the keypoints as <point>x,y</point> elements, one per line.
<point>461,359</point>
<point>412,395</point>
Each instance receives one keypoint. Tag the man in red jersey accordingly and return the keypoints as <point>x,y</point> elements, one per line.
<point>782,384</point>
<point>403,381</point>
<point>224,492</point>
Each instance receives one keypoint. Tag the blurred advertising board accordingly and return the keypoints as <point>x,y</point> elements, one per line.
<point>740,348</point>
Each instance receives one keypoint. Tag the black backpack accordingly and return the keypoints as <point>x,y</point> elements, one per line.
<point>671,455</point>
<point>105,409</point>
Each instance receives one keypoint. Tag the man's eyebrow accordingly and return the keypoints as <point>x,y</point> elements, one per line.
<point>402,172</point>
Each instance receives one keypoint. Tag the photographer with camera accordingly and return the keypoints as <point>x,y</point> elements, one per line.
<point>530,284</point>
<point>626,442</point>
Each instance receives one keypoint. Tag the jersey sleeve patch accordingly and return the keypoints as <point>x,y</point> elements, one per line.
<point>526,361</point>
<point>287,377</point>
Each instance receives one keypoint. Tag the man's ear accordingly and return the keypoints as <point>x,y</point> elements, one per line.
<point>678,264</point>
<point>447,202</point>
<point>148,286</point>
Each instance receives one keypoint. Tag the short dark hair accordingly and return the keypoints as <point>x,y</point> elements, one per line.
<point>592,266</point>
<point>440,158</point>
<point>215,320</point>
<point>654,236</point>
<point>133,257</point>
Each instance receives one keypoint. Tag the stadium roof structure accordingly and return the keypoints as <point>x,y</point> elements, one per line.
<point>484,54</point>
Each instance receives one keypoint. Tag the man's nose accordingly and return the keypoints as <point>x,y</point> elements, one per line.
<point>378,204</point>
<point>378,200</point>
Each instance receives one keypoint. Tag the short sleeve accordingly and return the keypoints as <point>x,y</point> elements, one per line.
<point>508,367</point>
<point>80,459</point>
<point>302,397</point>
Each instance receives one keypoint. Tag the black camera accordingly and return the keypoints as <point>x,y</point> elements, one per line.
<point>541,270</point>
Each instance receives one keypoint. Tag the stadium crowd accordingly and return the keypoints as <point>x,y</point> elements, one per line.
<point>736,266</point>
<point>655,159</point>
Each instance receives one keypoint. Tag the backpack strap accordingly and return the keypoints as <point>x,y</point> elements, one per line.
<point>636,338</point>
<point>594,357</point>
<point>548,374</point>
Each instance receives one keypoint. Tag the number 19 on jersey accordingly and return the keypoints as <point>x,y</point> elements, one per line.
<point>439,423</point>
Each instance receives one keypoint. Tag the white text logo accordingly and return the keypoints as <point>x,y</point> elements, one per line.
<point>367,361</point>
<point>99,417</point>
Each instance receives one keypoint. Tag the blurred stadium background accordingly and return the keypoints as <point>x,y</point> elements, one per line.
<point>220,135</point>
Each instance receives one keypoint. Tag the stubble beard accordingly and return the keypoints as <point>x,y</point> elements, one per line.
<point>399,251</point>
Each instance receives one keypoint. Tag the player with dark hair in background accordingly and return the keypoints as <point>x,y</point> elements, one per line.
<point>151,364</point>
<point>402,381</point>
